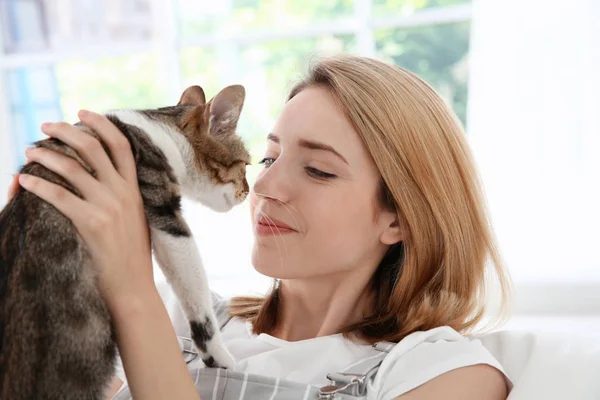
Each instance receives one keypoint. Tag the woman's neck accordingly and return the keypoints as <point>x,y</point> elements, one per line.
<point>321,306</point>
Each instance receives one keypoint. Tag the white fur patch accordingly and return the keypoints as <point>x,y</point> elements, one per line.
<point>174,145</point>
<point>220,198</point>
<point>180,156</point>
<point>180,262</point>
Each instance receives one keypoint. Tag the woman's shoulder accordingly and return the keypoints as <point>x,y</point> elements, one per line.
<point>425,355</point>
<point>473,382</point>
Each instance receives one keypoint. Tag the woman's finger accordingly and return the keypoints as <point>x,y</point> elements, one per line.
<point>68,168</point>
<point>88,147</point>
<point>66,202</point>
<point>13,188</point>
<point>119,146</point>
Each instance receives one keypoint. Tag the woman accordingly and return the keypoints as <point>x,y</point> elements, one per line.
<point>368,214</point>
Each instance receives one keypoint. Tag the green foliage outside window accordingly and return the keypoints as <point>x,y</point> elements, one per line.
<point>439,54</point>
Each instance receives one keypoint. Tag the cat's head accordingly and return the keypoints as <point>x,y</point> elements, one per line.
<point>213,155</point>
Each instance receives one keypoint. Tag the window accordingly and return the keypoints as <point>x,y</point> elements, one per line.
<point>536,139</point>
<point>540,180</point>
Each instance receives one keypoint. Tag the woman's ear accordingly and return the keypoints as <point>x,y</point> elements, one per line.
<point>392,231</point>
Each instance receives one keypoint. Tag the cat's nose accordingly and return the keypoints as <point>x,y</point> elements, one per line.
<point>241,195</point>
<point>243,192</point>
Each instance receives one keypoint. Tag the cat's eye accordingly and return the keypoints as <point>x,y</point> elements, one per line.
<point>317,173</point>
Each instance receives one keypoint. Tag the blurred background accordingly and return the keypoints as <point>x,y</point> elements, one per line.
<point>523,77</point>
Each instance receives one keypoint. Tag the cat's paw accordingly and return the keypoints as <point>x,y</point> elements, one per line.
<point>208,342</point>
<point>218,356</point>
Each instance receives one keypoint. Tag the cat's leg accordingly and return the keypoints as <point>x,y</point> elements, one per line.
<point>179,258</point>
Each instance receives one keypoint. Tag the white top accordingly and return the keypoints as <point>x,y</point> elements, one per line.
<point>416,359</point>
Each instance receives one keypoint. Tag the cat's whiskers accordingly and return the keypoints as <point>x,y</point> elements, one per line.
<point>278,235</point>
<point>259,240</point>
<point>286,206</point>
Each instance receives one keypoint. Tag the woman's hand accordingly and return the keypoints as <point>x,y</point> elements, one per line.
<point>110,217</point>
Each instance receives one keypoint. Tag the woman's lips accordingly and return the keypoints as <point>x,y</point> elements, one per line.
<point>266,226</point>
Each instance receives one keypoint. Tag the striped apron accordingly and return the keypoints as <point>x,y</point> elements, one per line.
<point>222,384</point>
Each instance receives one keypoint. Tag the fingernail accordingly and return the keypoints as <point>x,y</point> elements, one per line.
<point>23,179</point>
<point>83,113</point>
<point>45,125</point>
<point>29,149</point>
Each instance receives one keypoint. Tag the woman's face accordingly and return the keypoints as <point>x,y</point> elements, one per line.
<point>314,206</point>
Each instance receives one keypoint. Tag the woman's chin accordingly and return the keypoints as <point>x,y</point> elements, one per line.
<point>266,268</point>
<point>271,265</point>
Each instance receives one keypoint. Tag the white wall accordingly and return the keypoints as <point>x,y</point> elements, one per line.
<point>534,125</point>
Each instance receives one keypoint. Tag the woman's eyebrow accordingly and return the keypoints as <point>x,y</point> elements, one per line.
<point>311,145</point>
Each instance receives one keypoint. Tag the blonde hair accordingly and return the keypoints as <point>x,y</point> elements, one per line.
<point>437,275</point>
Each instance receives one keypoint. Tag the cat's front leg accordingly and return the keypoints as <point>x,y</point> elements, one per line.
<point>180,261</point>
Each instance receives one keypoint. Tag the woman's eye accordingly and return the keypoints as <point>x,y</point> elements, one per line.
<point>267,161</point>
<point>317,173</point>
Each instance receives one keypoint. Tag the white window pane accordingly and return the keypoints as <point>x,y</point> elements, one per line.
<point>23,28</point>
<point>31,85</point>
<point>407,7</point>
<point>238,16</point>
<point>43,84</point>
<point>32,99</point>
<point>18,140</point>
<point>14,88</point>
<point>66,24</point>
<point>129,81</point>
<point>534,126</point>
<point>25,129</point>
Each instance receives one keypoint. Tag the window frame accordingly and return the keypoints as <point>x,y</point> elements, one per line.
<point>530,299</point>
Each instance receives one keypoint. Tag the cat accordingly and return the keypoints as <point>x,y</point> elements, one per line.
<point>56,336</point>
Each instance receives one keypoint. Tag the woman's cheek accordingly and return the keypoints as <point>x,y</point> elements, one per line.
<point>252,201</point>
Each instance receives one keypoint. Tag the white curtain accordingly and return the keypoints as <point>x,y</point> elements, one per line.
<point>534,125</point>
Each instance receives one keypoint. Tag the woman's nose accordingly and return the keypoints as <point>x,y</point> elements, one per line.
<point>274,182</point>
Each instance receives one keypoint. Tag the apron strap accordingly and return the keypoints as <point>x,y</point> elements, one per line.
<point>353,381</point>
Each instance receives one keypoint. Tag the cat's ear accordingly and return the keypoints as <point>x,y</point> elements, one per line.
<point>225,110</point>
<point>192,96</point>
